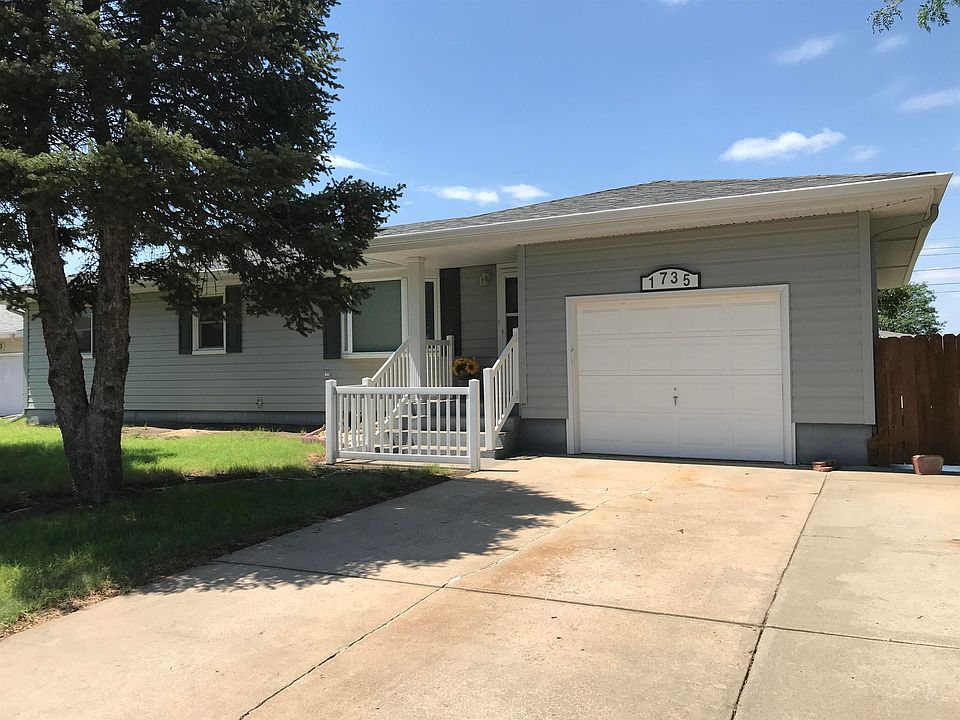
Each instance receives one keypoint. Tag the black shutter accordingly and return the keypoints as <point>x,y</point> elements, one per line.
<point>233,297</point>
<point>331,335</point>
<point>186,331</point>
<point>450,306</point>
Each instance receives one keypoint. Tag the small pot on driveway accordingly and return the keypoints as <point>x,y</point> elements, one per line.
<point>927,464</point>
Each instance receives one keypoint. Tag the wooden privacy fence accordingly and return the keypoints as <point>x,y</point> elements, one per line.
<point>918,399</point>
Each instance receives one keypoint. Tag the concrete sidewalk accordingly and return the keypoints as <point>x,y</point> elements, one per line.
<point>545,588</point>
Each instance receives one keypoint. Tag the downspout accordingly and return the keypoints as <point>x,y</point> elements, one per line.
<point>921,225</point>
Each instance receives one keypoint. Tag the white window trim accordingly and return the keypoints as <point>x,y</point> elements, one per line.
<point>197,350</point>
<point>88,355</point>
<point>346,326</point>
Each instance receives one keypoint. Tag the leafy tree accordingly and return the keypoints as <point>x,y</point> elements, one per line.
<point>930,13</point>
<point>151,142</point>
<point>909,309</point>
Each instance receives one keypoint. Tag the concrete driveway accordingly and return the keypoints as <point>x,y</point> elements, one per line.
<point>546,588</point>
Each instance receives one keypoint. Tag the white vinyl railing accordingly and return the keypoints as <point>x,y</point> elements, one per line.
<point>396,370</point>
<point>421,424</point>
<point>440,362</point>
<point>501,390</point>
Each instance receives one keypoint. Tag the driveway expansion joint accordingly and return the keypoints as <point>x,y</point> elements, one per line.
<point>894,641</point>
<point>773,598</point>
<point>338,651</point>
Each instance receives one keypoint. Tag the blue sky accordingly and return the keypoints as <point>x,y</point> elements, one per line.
<point>478,105</point>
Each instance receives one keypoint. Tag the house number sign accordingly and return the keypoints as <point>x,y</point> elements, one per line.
<point>670,279</point>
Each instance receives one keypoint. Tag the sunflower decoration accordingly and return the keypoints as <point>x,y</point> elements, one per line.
<point>465,367</point>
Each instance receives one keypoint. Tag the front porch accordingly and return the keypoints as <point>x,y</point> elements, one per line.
<point>413,408</point>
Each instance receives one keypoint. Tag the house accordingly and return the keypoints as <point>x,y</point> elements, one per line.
<point>11,363</point>
<point>723,319</point>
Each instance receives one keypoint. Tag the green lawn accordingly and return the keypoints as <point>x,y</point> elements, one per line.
<point>32,463</point>
<point>50,558</point>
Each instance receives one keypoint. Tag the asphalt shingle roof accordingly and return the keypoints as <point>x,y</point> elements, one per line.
<point>652,193</point>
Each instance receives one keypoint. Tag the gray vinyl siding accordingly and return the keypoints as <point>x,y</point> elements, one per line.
<point>278,365</point>
<point>478,313</point>
<point>818,258</point>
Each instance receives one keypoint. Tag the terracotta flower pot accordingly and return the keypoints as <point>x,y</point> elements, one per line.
<point>927,464</point>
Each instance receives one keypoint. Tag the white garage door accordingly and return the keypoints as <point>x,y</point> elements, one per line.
<point>11,384</point>
<point>694,374</point>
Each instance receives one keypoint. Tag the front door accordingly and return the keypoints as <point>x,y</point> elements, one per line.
<point>508,304</point>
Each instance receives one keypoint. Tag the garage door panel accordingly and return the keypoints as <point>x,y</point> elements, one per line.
<point>701,318</point>
<point>654,355</point>
<point>756,435</point>
<point>757,354</point>
<point>612,393</point>
<point>722,357</point>
<point>607,393</point>
<point>710,394</point>
<point>648,321</point>
<point>702,354</point>
<point>601,321</point>
<point>757,396</point>
<point>755,316</point>
<point>603,357</point>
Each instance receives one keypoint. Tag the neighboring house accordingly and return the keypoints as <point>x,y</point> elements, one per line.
<point>891,334</point>
<point>726,319</point>
<point>11,363</point>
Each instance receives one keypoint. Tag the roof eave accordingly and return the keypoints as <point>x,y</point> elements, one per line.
<point>800,202</point>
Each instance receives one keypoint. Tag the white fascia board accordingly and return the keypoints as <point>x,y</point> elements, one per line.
<point>780,204</point>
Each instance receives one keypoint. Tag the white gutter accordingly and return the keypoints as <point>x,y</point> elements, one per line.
<point>799,202</point>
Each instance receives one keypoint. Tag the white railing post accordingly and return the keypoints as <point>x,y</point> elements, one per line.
<point>489,411</point>
<point>473,424</point>
<point>366,419</point>
<point>332,421</point>
<point>448,359</point>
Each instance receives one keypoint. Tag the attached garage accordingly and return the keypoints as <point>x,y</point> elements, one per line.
<point>688,373</point>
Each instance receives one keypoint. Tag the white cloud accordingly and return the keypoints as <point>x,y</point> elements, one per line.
<point>785,145</point>
<point>862,153</point>
<point>891,42</point>
<point>480,196</point>
<point>345,163</point>
<point>954,181</point>
<point>807,50</point>
<point>522,191</point>
<point>930,101</point>
<point>674,3</point>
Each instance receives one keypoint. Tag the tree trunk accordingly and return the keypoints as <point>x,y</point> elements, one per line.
<point>91,427</point>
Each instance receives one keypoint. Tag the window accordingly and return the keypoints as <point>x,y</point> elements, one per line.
<point>211,327</point>
<point>217,326</point>
<point>377,326</point>
<point>83,326</point>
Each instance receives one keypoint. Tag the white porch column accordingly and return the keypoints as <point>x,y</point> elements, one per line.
<point>416,322</point>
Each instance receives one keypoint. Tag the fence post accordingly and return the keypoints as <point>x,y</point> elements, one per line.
<point>332,421</point>
<point>489,426</point>
<point>448,372</point>
<point>473,424</point>
<point>366,417</point>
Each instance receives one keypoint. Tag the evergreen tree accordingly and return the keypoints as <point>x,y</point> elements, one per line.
<point>152,141</point>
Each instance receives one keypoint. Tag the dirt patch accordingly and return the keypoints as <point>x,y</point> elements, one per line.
<point>158,433</point>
